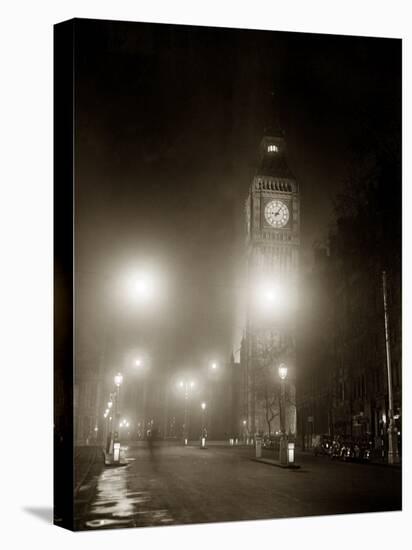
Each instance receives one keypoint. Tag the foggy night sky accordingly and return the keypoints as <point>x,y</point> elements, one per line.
<point>169,121</point>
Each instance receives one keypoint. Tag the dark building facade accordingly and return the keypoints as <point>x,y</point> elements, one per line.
<point>344,387</point>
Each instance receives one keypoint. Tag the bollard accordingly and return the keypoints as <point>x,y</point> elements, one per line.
<point>291,452</point>
<point>283,449</point>
<point>231,441</point>
<point>116,452</point>
<point>186,441</point>
<point>258,446</point>
<point>203,442</point>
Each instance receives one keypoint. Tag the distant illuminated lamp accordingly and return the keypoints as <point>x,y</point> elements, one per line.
<point>283,371</point>
<point>118,379</point>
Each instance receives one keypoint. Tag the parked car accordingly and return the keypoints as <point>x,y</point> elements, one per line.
<point>323,445</point>
<point>271,441</point>
<point>268,441</point>
<point>351,449</point>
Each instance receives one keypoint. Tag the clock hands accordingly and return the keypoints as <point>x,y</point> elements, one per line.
<point>277,213</point>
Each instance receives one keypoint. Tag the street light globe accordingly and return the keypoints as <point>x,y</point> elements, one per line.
<point>273,296</point>
<point>110,404</point>
<point>138,362</point>
<point>214,365</point>
<point>270,296</point>
<point>283,371</point>
<point>244,422</point>
<point>203,405</point>
<point>181,384</point>
<point>118,379</point>
<point>142,288</point>
<point>192,384</point>
<point>127,424</point>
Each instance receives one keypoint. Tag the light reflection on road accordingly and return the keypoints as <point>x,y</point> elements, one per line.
<point>115,506</point>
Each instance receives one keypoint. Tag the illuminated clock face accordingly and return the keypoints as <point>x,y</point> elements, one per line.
<point>277,213</point>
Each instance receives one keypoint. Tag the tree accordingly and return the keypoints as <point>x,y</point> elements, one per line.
<point>272,348</point>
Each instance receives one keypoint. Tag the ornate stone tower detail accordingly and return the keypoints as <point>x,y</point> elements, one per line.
<point>272,250</point>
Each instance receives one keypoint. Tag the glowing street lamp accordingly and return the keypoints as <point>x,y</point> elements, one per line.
<point>203,435</point>
<point>214,365</point>
<point>114,435</point>
<point>138,362</point>
<point>187,385</point>
<point>118,379</point>
<point>270,296</point>
<point>245,435</point>
<point>283,371</point>
<point>275,296</point>
<point>283,444</point>
<point>143,288</point>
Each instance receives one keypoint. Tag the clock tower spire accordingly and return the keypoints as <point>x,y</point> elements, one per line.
<point>272,255</point>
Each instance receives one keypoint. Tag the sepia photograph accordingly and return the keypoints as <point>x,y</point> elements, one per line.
<point>227,274</point>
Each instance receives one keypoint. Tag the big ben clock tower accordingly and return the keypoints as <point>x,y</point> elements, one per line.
<point>272,253</point>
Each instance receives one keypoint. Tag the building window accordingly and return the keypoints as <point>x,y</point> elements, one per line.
<point>273,149</point>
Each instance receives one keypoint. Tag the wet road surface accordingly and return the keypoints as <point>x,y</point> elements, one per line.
<point>176,485</point>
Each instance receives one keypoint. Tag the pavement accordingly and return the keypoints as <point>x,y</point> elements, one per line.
<point>86,458</point>
<point>171,484</point>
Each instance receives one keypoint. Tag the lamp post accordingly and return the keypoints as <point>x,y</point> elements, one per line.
<point>187,386</point>
<point>141,365</point>
<point>283,444</point>
<point>244,422</point>
<point>214,375</point>
<point>140,288</point>
<point>118,379</point>
<point>267,300</point>
<point>203,435</point>
<point>393,455</point>
<point>124,424</point>
<point>108,426</point>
